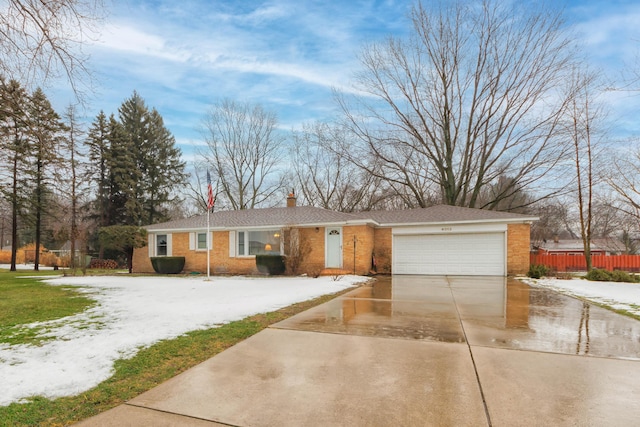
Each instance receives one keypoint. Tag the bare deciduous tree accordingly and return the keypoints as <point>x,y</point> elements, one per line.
<point>245,153</point>
<point>472,96</point>
<point>43,39</point>
<point>325,178</point>
<point>72,181</point>
<point>583,129</point>
<point>553,219</point>
<point>624,179</point>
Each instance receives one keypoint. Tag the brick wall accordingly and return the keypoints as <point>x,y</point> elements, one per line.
<point>312,262</point>
<point>221,263</point>
<point>360,260</point>
<point>382,249</point>
<point>518,241</point>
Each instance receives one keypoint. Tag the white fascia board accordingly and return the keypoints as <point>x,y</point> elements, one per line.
<point>526,220</point>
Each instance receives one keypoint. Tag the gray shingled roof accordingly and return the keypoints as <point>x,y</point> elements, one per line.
<point>440,214</point>
<point>310,216</point>
<point>280,217</point>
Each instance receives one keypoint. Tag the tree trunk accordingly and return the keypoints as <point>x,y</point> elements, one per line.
<point>14,213</point>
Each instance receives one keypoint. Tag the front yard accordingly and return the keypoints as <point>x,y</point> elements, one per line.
<point>131,333</point>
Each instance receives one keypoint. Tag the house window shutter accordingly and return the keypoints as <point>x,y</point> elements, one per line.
<point>192,241</point>
<point>169,245</point>
<point>152,239</point>
<point>210,244</point>
<point>232,244</point>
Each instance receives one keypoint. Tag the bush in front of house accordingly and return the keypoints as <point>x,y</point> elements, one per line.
<point>167,264</point>
<point>273,265</point>
<point>537,271</point>
<point>601,275</point>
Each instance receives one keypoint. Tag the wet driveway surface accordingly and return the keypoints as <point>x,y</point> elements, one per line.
<point>483,311</point>
<point>416,351</point>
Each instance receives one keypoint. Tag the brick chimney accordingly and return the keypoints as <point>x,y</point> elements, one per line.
<point>291,199</point>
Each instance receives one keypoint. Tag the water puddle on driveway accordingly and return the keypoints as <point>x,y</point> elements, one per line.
<point>494,312</point>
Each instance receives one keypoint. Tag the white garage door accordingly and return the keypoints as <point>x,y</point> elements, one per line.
<point>450,254</point>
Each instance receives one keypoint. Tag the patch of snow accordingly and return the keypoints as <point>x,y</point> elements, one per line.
<point>26,267</point>
<point>135,312</point>
<point>620,296</point>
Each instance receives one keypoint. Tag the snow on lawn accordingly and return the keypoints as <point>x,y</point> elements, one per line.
<point>620,296</point>
<point>136,312</point>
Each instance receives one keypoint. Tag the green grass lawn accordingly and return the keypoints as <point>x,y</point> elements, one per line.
<point>35,301</point>
<point>25,299</point>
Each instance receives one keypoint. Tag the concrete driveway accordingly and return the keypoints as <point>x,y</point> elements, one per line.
<point>415,351</point>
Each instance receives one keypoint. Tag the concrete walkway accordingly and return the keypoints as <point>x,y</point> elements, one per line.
<point>415,351</point>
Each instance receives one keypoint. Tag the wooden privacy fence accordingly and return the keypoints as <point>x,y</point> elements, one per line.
<point>577,262</point>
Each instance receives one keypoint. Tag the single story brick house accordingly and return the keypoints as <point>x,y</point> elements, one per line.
<point>439,240</point>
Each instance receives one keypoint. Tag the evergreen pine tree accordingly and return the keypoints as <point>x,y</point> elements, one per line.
<point>164,170</point>
<point>158,161</point>
<point>132,114</point>
<point>135,166</point>
<point>14,149</point>
<point>125,207</point>
<point>98,174</point>
<point>44,129</point>
<point>97,171</point>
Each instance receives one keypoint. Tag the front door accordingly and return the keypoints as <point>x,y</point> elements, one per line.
<point>333,254</point>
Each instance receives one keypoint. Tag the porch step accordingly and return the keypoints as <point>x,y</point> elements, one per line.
<point>335,272</point>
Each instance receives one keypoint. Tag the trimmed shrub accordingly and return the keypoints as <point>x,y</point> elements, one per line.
<point>623,276</point>
<point>537,271</point>
<point>103,264</point>
<point>167,264</point>
<point>600,275</point>
<point>273,265</point>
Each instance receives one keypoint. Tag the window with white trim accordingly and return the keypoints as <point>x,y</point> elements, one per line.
<point>201,241</point>
<point>161,245</point>
<point>258,242</point>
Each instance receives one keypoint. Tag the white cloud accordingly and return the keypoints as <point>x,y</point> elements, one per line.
<point>267,13</point>
<point>284,54</point>
<point>132,40</point>
<point>610,32</point>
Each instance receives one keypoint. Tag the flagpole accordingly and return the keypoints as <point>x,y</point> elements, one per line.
<point>210,204</point>
<point>208,246</point>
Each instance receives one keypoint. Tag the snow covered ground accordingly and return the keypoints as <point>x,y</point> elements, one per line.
<point>136,312</point>
<point>620,296</point>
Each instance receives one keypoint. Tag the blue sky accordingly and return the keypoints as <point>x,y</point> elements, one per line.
<point>182,56</point>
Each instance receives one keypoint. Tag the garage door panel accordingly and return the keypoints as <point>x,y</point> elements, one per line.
<point>450,254</point>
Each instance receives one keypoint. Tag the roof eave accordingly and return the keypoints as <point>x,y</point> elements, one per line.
<point>528,220</point>
<point>269,226</point>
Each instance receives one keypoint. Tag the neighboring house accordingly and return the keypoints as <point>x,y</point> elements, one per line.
<point>65,250</point>
<point>576,247</point>
<point>438,240</point>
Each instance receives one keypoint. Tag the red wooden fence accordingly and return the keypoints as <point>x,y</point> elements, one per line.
<point>577,262</point>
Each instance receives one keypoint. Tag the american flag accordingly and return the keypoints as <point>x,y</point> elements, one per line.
<point>211,200</point>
